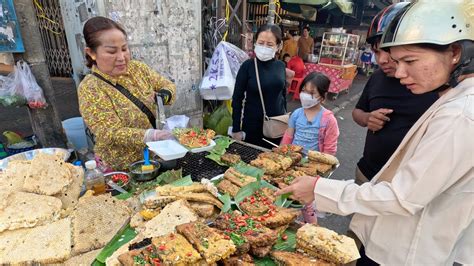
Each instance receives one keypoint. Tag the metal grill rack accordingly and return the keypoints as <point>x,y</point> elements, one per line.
<point>199,167</point>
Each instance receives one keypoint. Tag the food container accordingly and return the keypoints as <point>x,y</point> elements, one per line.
<point>205,148</point>
<point>167,149</point>
<point>137,174</point>
<point>125,185</point>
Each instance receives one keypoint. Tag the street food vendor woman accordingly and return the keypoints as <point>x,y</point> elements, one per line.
<point>118,98</point>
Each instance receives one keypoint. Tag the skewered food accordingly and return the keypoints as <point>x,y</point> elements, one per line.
<point>326,244</point>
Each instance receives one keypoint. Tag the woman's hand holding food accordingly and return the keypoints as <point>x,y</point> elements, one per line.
<point>156,134</point>
<point>301,189</point>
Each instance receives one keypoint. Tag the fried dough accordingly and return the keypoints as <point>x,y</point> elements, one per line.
<point>175,213</point>
<point>47,175</point>
<point>202,197</point>
<point>95,220</point>
<point>25,210</point>
<point>50,243</point>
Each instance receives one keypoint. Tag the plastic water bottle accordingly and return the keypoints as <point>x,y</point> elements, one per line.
<point>94,178</point>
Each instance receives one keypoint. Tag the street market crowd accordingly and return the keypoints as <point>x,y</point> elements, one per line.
<point>413,191</point>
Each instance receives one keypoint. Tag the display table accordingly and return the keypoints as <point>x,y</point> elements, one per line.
<point>341,76</point>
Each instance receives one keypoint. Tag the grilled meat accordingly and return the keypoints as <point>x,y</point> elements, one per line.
<point>288,148</point>
<point>261,251</point>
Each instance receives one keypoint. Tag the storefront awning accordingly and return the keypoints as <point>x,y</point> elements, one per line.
<point>344,5</point>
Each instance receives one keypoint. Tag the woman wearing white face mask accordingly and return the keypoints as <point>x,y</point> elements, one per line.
<point>312,126</point>
<point>248,115</point>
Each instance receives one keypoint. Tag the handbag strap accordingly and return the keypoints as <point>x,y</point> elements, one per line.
<point>132,98</point>
<point>265,117</point>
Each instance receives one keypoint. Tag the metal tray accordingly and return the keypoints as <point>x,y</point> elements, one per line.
<point>29,155</point>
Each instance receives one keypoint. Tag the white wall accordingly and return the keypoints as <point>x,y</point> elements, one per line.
<point>165,34</point>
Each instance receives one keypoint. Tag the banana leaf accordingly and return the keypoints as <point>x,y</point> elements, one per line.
<point>123,236</point>
<point>227,202</point>
<point>185,181</point>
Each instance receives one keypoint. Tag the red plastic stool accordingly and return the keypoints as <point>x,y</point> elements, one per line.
<point>295,88</point>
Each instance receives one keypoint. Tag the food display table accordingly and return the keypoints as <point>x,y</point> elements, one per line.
<point>341,76</point>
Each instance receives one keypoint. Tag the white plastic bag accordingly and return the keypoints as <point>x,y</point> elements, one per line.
<point>30,88</point>
<point>219,80</point>
<point>11,93</point>
<point>176,121</point>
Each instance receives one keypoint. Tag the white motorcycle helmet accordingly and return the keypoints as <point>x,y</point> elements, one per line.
<point>438,22</point>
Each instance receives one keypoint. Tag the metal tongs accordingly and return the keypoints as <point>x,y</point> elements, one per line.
<point>160,113</point>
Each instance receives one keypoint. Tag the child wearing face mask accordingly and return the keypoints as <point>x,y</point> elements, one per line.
<point>312,126</point>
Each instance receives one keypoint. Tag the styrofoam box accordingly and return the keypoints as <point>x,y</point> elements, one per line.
<point>167,149</point>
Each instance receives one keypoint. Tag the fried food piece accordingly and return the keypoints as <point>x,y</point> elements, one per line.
<point>326,244</point>
<point>175,213</point>
<point>287,177</point>
<point>210,244</point>
<point>238,178</point>
<point>95,220</point>
<point>322,157</point>
<point>25,210</point>
<point>270,166</point>
<point>281,217</point>
<point>225,186</point>
<point>252,231</point>
<point>314,168</point>
<point>288,148</point>
<point>259,203</point>
<point>47,175</point>
<point>242,260</point>
<point>296,259</point>
<point>284,161</point>
<point>157,202</point>
<point>202,209</point>
<point>205,197</point>
<point>230,158</point>
<point>174,249</point>
<point>170,190</point>
<point>261,251</point>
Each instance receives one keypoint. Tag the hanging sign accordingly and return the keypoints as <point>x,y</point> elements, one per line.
<point>10,37</point>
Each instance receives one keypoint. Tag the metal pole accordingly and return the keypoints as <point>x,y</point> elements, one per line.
<point>45,123</point>
<point>271,12</point>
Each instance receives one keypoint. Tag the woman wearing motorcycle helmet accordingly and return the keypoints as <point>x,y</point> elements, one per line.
<point>418,210</point>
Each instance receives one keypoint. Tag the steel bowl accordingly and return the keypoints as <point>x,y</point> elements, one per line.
<point>166,165</point>
<point>138,175</point>
<point>125,186</point>
<point>29,155</point>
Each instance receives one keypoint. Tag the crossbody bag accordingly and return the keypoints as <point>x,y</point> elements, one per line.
<point>273,126</point>
<point>132,98</point>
